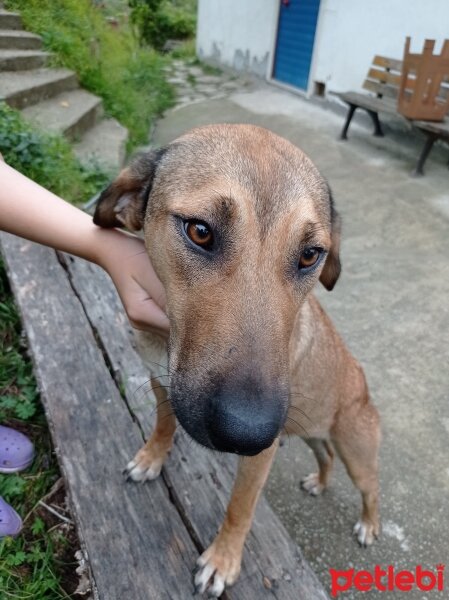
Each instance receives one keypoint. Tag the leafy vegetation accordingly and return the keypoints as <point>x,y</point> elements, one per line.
<point>37,564</point>
<point>158,21</point>
<point>47,159</point>
<point>107,59</point>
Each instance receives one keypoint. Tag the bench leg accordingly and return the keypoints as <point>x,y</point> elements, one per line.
<point>377,127</point>
<point>344,131</point>
<point>419,169</point>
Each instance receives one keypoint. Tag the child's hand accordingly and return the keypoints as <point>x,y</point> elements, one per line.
<point>142,294</point>
<point>34,213</point>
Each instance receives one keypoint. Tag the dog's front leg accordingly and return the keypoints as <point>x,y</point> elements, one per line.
<point>147,463</point>
<point>220,564</point>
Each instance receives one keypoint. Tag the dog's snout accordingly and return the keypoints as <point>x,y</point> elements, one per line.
<point>244,423</point>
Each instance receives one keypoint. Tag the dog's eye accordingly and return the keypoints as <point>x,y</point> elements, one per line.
<point>199,233</point>
<point>309,257</point>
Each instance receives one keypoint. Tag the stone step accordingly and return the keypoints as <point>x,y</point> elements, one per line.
<point>21,60</point>
<point>9,20</point>
<point>70,113</point>
<point>104,144</point>
<point>22,40</point>
<point>24,88</point>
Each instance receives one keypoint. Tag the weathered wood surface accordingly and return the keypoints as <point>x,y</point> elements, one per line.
<point>137,544</point>
<point>370,102</point>
<point>199,479</point>
<point>440,129</point>
<point>422,95</point>
<point>142,540</point>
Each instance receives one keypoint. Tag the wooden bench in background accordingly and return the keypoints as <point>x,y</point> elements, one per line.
<point>142,541</point>
<point>383,81</point>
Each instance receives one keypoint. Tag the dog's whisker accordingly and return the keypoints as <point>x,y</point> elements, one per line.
<point>159,376</point>
<point>148,405</point>
<point>146,382</point>
<point>302,396</point>
<point>288,436</point>
<point>301,412</point>
<point>142,385</point>
<point>155,408</point>
<point>144,393</point>
<point>298,425</point>
<point>170,414</point>
<point>165,367</point>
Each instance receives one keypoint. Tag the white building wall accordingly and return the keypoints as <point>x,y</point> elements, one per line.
<point>241,34</point>
<point>351,32</point>
<point>237,33</point>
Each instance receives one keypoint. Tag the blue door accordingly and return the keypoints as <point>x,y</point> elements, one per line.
<point>294,46</point>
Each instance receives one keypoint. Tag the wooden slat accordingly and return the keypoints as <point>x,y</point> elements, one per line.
<point>440,129</point>
<point>393,78</point>
<point>388,63</point>
<point>200,480</point>
<point>369,102</point>
<point>137,544</point>
<point>384,77</point>
<point>386,90</point>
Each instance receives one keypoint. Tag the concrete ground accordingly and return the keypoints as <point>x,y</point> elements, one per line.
<point>392,307</point>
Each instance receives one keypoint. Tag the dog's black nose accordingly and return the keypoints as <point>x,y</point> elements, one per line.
<point>244,423</point>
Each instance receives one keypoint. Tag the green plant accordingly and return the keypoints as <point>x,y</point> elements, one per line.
<point>47,159</point>
<point>185,51</point>
<point>191,79</point>
<point>210,69</point>
<point>34,564</point>
<point>207,69</point>
<point>38,564</point>
<point>107,60</point>
<point>160,20</point>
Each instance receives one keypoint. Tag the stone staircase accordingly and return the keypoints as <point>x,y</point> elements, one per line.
<point>52,99</point>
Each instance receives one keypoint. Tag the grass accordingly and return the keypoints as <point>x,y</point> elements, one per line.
<point>209,69</point>
<point>108,60</point>
<point>185,51</point>
<point>47,159</point>
<point>191,79</point>
<point>38,564</point>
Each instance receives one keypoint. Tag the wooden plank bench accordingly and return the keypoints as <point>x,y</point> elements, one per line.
<point>383,80</point>
<point>141,541</point>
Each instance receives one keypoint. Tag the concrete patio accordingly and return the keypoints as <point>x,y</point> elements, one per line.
<point>392,307</point>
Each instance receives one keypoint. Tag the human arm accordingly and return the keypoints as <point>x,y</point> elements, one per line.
<point>32,212</point>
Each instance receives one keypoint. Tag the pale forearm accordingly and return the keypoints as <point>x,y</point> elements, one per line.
<point>32,212</point>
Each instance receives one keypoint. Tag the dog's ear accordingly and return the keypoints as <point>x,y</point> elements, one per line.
<point>123,203</point>
<point>332,267</point>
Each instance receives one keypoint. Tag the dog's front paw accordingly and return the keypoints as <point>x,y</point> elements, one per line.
<point>146,465</point>
<point>366,532</point>
<point>217,567</point>
<point>311,484</point>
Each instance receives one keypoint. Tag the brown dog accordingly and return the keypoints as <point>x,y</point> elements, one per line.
<point>239,226</point>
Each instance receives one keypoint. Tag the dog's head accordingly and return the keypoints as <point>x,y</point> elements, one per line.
<point>239,226</point>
